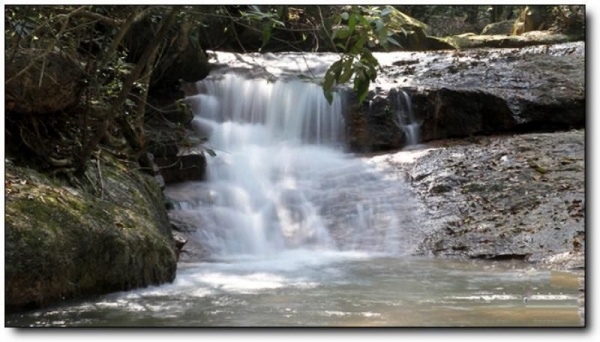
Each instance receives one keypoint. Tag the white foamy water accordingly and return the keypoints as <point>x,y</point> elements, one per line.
<point>281,179</point>
<point>405,117</point>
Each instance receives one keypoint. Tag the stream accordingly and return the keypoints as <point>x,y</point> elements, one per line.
<point>314,289</point>
<point>299,232</point>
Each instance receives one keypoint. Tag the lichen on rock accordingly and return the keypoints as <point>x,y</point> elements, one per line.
<point>63,243</point>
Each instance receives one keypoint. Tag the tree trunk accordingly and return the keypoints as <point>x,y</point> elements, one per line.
<point>127,85</point>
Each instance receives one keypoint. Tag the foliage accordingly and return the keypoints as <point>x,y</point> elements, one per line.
<point>352,31</point>
<point>114,85</point>
<point>268,20</point>
<point>356,32</point>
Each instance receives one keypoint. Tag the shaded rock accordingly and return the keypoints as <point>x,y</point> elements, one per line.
<point>189,65</point>
<point>442,26</point>
<point>180,241</point>
<point>436,43</point>
<point>63,243</point>
<point>448,113</point>
<point>439,188</point>
<point>182,168</point>
<point>370,126</point>
<point>166,147</point>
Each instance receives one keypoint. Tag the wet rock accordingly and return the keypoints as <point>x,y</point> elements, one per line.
<point>475,92</point>
<point>506,212</point>
<point>439,188</point>
<point>371,126</point>
<point>182,168</point>
<point>446,183</point>
<point>64,243</point>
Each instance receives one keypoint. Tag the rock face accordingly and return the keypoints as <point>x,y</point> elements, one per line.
<point>370,126</point>
<point>182,168</point>
<point>63,243</point>
<point>458,94</point>
<point>175,163</point>
<point>504,197</point>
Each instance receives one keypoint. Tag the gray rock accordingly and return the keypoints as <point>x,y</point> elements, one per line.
<point>476,92</point>
<point>502,27</point>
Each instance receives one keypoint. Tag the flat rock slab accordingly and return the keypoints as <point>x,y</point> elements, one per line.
<point>504,197</point>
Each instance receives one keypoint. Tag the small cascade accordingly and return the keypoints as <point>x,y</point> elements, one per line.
<point>262,132</point>
<point>280,180</point>
<point>290,110</point>
<point>405,117</point>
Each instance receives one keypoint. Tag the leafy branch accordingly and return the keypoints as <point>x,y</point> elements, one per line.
<point>357,31</point>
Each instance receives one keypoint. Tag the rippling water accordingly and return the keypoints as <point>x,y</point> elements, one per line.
<point>306,288</point>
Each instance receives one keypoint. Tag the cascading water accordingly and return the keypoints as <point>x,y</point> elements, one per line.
<point>295,232</point>
<point>405,117</point>
<point>281,179</point>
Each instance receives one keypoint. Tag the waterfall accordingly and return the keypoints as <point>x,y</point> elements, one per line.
<point>280,179</point>
<point>405,117</point>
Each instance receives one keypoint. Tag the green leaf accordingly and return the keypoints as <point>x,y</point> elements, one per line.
<point>337,68</point>
<point>332,74</point>
<point>358,46</point>
<point>387,11</point>
<point>382,36</point>
<point>393,41</point>
<point>266,34</point>
<point>352,23</point>
<point>363,20</point>
<point>347,71</point>
<point>341,33</point>
<point>329,79</point>
<point>328,95</point>
<point>378,24</point>
<point>361,86</point>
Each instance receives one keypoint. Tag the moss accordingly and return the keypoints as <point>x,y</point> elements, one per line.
<point>62,243</point>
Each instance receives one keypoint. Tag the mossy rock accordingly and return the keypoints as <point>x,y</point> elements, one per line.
<point>471,41</point>
<point>63,243</point>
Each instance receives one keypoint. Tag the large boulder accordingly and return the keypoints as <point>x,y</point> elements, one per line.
<point>62,243</point>
<point>518,91</point>
<point>459,94</point>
